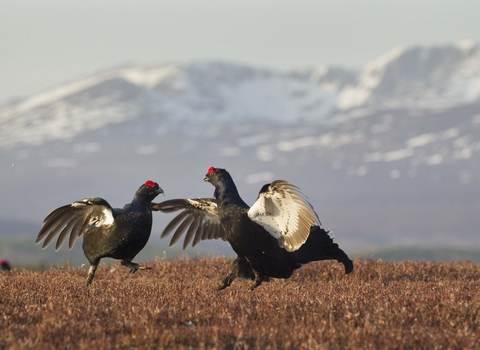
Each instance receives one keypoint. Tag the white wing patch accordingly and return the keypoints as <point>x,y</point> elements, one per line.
<point>284,212</point>
<point>104,218</point>
<point>99,214</point>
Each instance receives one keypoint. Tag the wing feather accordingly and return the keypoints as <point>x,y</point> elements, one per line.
<point>284,212</point>
<point>56,213</point>
<point>174,223</point>
<point>76,219</point>
<point>77,230</point>
<point>63,235</point>
<point>50,221</point>
<point>181,229</point>
<point>198,220</point>
<point>199,234</point>
<point>192,230</point>
<point>213,233</point>
<point>60,224</point>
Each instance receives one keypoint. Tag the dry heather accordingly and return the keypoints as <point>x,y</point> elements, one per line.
<point>407,305</point>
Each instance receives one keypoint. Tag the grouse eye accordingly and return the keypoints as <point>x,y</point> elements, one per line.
<point>210,170</point>
<point>150,183</point>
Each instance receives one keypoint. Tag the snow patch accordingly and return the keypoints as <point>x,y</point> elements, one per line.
<point>398,154</point>
<point>265,176</point>
<point>150,76</point>
<point>450,133</point>
<point>265,153</point>
<point>421,140</point>
<point>327,140</point>
<point>434,159</point>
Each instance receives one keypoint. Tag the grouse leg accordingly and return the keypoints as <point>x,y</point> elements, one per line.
<point>231,275</point>
<point>226,282</point>
<point>258,280</point>
<point>134,266</point>
<point>91,272</point>
<point>239,268</point>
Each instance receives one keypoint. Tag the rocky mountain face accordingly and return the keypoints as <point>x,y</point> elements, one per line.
<point>388,154</point>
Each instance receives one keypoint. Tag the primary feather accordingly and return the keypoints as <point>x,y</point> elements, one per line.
<point>199,220</point>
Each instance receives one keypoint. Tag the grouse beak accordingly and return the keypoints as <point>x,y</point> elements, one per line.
<point>158,190</point>
<point>206,179</point>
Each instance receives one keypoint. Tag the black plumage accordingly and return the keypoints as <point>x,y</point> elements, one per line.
<point>275,236</point>
<point>5,265</point>
<point>107,232</point>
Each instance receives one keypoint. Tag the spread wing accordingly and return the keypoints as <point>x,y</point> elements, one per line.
<point>283,210</point>
<point>75,219</point>
<point>198,221</point>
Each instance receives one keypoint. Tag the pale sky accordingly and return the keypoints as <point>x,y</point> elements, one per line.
<point>47,42</point>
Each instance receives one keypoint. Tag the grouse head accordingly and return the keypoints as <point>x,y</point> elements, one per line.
<point>214,175</point>
<point>148,191</point>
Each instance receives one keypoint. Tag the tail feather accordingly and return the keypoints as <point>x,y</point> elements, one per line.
<point>320,246</point>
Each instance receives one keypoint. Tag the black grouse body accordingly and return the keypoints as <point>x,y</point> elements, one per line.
<point>247,238</point>
<point>108,233</point>
<point>272,238</point>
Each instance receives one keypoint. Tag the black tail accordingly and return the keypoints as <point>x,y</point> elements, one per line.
<point>320,246</point>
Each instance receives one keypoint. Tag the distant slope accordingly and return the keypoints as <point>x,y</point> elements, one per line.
<point>14,227</point>
<point>429,254</point>
<point>21,252</point>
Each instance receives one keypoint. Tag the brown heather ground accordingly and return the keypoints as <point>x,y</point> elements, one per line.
<point>381,305</point>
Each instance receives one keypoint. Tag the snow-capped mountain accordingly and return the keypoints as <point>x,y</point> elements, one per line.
<point>196,93</point>
<point>202,92</point>
<point>435,77</point>
<point>388,154</point>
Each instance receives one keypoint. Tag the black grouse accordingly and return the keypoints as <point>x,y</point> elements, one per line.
<point>275,236</point>
<point>108,232</point>
<point>5,265</point>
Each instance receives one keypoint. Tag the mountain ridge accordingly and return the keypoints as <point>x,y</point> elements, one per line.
<point>206,91</point>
